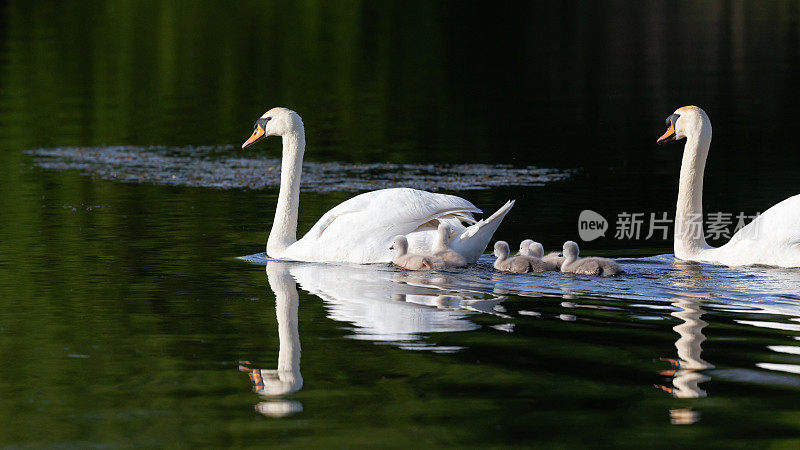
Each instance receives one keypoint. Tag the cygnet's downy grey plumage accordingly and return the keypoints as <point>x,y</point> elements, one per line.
<point>442,250</point>
<point>531,248</point>
<point>554,258</point>
<point>411,261</point>
<point>534,249</point>
<point>517,264</point>
<point>594,266</point>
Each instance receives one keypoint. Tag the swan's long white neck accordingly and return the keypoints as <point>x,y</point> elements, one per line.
<point>284,227</point>
<point>689,233</point>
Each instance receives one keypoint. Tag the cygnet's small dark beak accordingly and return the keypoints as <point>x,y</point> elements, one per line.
<point>391,247</point>
<point>560,255</point>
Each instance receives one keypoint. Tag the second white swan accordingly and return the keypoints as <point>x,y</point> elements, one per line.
<point>772,239</point>
<point>359,229</point>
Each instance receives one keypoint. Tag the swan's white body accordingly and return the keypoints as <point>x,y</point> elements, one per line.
<point>361,229</point>
<point>771,239</point>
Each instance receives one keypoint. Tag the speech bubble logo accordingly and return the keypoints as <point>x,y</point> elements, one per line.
<point>591,225</point>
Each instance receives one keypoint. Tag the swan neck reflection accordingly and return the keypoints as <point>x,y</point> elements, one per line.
<point>288,378</point>
<point>690,365</point>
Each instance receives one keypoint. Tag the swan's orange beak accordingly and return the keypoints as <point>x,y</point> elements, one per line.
<point>669,135</point>
<point>258,133</point>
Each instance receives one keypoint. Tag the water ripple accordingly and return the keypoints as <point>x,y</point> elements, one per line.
<point>217,167</point>
<point>390,305</point>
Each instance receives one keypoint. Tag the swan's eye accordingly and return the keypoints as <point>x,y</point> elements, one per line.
<point>263,122</point>
<point>673,119</point>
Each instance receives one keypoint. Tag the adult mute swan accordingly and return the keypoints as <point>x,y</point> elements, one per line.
<point>772,239</point>
<point>358,230</point>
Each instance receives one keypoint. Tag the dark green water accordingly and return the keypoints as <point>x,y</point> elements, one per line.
<point>127,320</point>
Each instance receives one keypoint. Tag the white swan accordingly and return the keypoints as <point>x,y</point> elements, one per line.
<point>358,229</point>
<point>595,266</point>
<point>771,239</point>
<point>441,248</point>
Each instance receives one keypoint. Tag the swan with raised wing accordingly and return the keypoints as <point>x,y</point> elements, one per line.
<point>772,239</point>
<point>358,229</point>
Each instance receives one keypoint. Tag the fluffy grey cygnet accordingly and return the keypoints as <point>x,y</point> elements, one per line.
<point>517,264</point>
<point>442,250</point>
<point>531,248</point>
<point>411,261</point>
<point>594,266</point>
<point>534,249</point>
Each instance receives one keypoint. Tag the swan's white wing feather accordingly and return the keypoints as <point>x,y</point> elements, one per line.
<point>403,205</point>
<point>472,241</point>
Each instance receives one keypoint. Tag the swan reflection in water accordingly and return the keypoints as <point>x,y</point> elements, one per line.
<point>380,303</point>
<point>689,367</point>
<point>274,385</point>
<point>387,305</point>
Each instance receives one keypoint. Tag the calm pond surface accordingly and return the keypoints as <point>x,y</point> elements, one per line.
<point>138,308</point>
